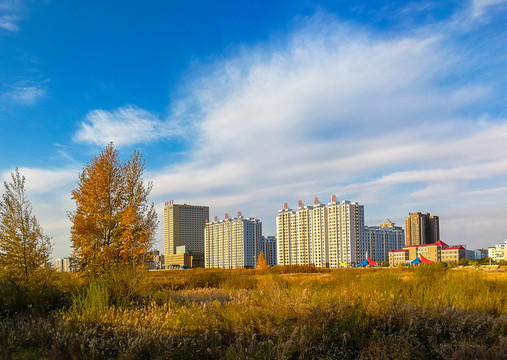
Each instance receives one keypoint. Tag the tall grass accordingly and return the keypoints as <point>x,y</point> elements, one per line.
<point>425,313</point>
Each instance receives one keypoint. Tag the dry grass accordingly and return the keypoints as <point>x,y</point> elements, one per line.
<point>423,313</point>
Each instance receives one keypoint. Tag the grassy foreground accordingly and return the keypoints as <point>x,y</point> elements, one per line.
<point>428,312</point>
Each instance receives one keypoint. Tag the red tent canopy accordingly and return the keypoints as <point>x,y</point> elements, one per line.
<point>424,260</point>
<point>371,262</point>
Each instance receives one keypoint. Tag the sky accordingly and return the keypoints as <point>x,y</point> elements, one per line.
<point>244,105</point>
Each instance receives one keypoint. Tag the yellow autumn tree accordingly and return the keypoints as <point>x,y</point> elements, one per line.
<point>24,249</point>
<point>262,263</point>
<point>113,226</point>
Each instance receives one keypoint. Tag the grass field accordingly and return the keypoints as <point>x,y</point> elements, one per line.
<point>428,312</point>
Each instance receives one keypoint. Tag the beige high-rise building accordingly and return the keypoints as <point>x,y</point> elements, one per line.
<point>284,229</point>
<point>421,229</point>
<point>346,232</point>
<point>321,235</point>
<point>301,235</point>
<point>232,243</point>
<point>184,226</point>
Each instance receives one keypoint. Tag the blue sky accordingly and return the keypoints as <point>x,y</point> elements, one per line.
<point>245,105</point>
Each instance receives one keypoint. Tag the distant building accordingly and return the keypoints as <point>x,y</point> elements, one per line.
<point>233,242</point>
<point>155,260</point>
<point>268,247</point>
<point>421,229</point>
<point>437,252</point>
<point>498,252</point>
<point>184,226</point>
<point>480,254</point>
<point>62,265</point>
<point>476,254</point>
<point>382,239</point>
<point>325,236</point>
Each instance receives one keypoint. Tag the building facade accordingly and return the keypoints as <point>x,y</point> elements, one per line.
<point>268,247</point>
<point>437,252</point>
<point>233,242</point>
<point>421,229</point>
<point>325,236</point>
<point>498,252</point>
<point>382,239</point>
<point>62,265</point>
<point>184,226</point>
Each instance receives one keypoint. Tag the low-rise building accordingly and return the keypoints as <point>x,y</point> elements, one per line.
<point>437,252</point>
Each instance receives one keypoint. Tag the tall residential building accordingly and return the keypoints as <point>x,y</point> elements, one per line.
<point>326,236</point>
<point>421,229</point>
<point>184,226</point>
<point>284,229</point>
<point>268,247</point>
<point>382,239</point>
<point>301,233</point>
<point>232,243</point>
<point>62,265</point>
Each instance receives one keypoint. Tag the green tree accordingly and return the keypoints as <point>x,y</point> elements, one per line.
<point>113,224</point>
<point>24,249</point>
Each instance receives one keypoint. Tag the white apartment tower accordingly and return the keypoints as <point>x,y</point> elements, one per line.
<point>321,235</point>
<point>284,229</point>
<point>382,239</point>
<point>232,243</point>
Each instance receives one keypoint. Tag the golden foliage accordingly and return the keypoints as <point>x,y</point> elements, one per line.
<point>113,225</point>
<point>24,249</point>
<point>262,263</point>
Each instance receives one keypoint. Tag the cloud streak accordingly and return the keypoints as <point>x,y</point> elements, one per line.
<point>124,126</point>
<point>25,94</point>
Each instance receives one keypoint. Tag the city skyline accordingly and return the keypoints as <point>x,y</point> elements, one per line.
<point>245,106</point>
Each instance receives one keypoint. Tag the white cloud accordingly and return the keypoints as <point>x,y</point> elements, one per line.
<point>10,14</point>
<point>45,180</point>
<point>124,126</point>
<point>25,95</point>
<point>49,191</point>
<point>481,7</point>
<point>338,111</point>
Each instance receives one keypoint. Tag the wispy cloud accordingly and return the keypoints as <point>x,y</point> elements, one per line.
<point>25,94</point>
<point>10,14</point>
<point>339,110</point>
<point>124,126</point>
<point>481,7</point>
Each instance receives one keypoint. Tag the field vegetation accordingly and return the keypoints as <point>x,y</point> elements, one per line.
<point>428,312</point>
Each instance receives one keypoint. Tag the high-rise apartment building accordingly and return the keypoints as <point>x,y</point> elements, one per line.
<point>421,229</point>
<point>268,247</point>
<point>284,229</point>
<point>184,226</point>
<point>320,235</point>
<point>382,239</point>
<point>62,265</point>
<point>233,242</point>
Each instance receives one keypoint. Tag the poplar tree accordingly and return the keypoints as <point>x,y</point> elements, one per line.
<point>261,263</point>
<point>113,226</point>
<point>24,249</point>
